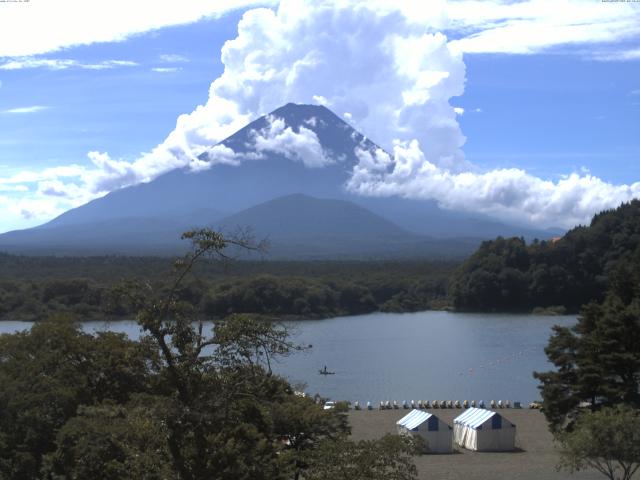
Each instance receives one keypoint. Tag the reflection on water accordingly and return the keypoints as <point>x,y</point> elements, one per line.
<point>426,355</point>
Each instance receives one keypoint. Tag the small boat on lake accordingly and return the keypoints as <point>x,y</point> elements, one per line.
<point>324,371</point>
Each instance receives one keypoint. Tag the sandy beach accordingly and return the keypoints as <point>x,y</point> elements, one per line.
<point>534,459</point>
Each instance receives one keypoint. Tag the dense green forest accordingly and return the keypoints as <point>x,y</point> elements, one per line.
<point>509,275</point>
<point>95,287</point>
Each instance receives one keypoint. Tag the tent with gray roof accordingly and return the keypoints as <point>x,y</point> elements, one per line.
<point>436,433</point>
<point>484,430</point>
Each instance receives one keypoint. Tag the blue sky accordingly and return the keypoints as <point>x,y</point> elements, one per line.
<point>547,110</point>
<point>123,110</point>
<point>553,115</point>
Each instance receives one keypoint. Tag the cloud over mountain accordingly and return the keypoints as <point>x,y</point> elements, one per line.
<point>392,78</point>
<point>389,68</point>
<point>510,194</point>
<point>392,73</point>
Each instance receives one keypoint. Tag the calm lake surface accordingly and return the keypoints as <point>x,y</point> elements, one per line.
<point>425,355</point>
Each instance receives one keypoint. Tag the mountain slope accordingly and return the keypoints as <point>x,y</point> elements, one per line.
<point>300,216</point>
<point>148,217</point>
<point>230,188</point>
<point>130,236</point>
<point>300,226</point>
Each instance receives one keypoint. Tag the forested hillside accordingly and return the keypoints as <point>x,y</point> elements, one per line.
<point>95,287</point>
<point>509,275</point>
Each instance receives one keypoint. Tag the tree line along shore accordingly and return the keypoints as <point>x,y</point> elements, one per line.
<point>503,275</point>
<point>94,288</point>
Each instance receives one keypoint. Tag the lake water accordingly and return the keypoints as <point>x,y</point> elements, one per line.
<point>425,355</point>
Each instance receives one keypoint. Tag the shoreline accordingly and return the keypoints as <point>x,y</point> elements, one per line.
<point>312,317</point>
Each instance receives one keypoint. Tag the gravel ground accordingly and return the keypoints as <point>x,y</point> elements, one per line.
<point>534,459</point>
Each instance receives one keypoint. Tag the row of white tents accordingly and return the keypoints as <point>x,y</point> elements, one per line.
<point>475,429</point>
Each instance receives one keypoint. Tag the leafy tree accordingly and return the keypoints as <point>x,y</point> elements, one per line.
<point>597,360</point>
<point>607,440</point>
<point>110,441</point>
<point>46,374</point>
<point>303,426</point>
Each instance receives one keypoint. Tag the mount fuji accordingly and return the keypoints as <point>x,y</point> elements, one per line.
<point>294,196</point>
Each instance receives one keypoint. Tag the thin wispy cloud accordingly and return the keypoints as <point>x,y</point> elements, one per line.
<point>173,58</point>
<point>63,64</point>
<point>31,109</point>
<point>166,69</point>
<point>617,55</point>
<point>39,27</point>
<point>535,26</point>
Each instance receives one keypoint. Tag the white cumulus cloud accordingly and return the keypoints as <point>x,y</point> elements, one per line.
<point>303,146</point>
<point>387,67</point>
<point>393,78</point>
<point>511,194</point>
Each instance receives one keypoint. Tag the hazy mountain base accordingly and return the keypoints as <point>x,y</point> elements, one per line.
<point>296,226</point>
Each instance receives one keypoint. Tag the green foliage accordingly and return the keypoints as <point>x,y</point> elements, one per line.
<point>607,440</point>
<point>111,441</point>
<point>92,288</point>
<point>598,360</point>
<point>303,425</point>
<point>508,275</point>
<point>46,374</point>
<point>389,458</point>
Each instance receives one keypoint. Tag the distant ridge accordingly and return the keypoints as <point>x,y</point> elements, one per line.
<point>298,215</point>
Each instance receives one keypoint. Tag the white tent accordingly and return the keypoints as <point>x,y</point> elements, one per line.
<point>436,433</point>
<point>484,430</point>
